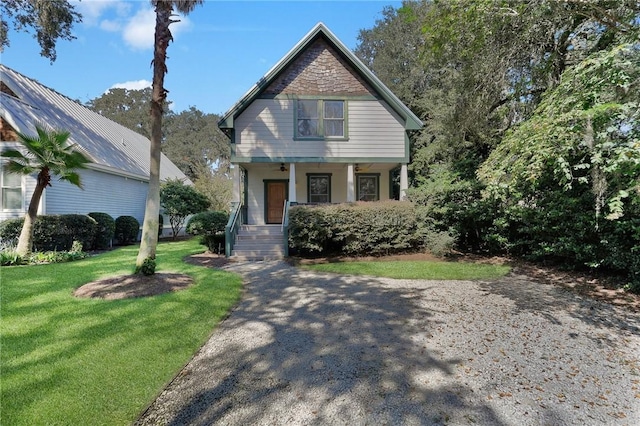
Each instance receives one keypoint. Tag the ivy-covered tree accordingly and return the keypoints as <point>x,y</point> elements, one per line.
<point>586,131</point>
<point>179,201</point>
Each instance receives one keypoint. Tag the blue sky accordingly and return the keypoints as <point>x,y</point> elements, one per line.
<point>219,51</point>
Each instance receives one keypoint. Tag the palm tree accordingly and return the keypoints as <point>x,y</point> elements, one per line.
<point>164,13</point>
<point>48,153</point>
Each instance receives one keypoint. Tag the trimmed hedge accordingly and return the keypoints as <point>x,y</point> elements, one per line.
<point>209,226</point>
<point>359,228</point>
<point>105,230</point>
<point>127,228</point>
<point>53,232</point>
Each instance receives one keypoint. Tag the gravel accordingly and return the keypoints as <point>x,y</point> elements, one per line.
<point>304,348</point>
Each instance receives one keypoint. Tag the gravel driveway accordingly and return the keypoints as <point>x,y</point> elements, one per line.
<point>305,348</point>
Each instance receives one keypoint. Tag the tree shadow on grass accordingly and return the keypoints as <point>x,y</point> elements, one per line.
<point>304,348</point>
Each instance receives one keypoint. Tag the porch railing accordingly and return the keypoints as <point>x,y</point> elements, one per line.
<point>233,225</point>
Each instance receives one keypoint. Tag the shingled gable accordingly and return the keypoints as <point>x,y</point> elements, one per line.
<point>349,76</point>
<point>112,148</point>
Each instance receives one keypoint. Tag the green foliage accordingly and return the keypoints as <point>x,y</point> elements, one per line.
<point>585,132</point>
<point>105,230</point>
<point>179,201</point>
<point>148,267</point>
<point>10,231</point>
<point>10,258</point>
<point>53,232</point>
<point>355,229</point>
<point>50,20</point>
<point>209,226</point>
<point>127,228</point>
<point>101,361</point>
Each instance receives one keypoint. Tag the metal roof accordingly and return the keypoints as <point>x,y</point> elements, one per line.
<point>112,147</point>
<point>412,122</point>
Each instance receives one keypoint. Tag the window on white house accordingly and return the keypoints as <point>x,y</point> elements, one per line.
<point>318,188</point>
<point>368,187</point>
<point>318,119</point>
<point>11,188</point>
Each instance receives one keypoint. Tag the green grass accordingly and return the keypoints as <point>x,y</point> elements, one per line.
<point>70,361</point>
<point>425,270</point>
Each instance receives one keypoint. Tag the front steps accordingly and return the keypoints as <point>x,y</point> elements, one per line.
<point>258,242</point>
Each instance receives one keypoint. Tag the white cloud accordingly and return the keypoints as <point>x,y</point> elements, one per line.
<point>110,25</point>
<point>93,11</point>
<point>131,85</point>
<point>138,33</point>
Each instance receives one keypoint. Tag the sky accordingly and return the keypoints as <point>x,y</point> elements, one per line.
<point>220,50</point>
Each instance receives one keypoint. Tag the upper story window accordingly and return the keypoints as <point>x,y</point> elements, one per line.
<point>320,119</point>
<point>11,190</point>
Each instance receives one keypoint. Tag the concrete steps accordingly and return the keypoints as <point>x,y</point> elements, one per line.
<point>258,242</point>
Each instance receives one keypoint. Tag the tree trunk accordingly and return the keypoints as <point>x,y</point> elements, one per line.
<point>26,235</point>
<point>149,239</point>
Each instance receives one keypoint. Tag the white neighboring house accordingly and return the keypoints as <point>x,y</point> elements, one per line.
<point>115,182</point>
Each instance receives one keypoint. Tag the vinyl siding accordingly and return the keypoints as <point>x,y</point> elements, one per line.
<point>266,130</point>
<point>106,193</point>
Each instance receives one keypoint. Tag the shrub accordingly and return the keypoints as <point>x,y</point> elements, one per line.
<point>10,232</point>
<point>105,230</point>
<point>53,232</point>
<point>10,258</point>
<point>127,228</point>
<point>148,267</point>
<point>179,201</point>
<point>355,229</point>
<point>210,227</point>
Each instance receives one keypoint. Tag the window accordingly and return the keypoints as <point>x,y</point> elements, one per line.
<point>318,119</point>
<point>367,187</point>
<point>318,188</point>
<point>11,188</point>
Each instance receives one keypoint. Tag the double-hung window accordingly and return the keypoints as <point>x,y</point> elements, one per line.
<point>320,119</point>
<point>368,187</point>
<point>319,187</point>
<point>11,189</point>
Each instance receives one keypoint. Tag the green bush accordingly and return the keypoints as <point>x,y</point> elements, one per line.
<point>148,267</point>
<point>127,228</point>
<point>53,232</point>
<point>355,229</point>
<point>209,226</point>
<point>105,230</point>
<point>10,258</point>
<point>10,232</point>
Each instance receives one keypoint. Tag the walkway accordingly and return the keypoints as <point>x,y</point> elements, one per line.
<point>305,348</point>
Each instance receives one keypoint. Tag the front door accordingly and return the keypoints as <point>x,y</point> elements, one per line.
<point>275,194</point>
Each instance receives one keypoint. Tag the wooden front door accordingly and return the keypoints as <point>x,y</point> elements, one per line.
<point>275,194</point>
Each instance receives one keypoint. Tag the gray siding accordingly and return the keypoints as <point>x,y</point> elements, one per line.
<point>115,195</point>
<point>266,129</point>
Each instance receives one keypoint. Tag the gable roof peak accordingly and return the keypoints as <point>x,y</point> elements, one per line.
<point>412,122</point>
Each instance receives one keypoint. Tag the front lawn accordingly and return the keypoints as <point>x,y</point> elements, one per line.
<point>72,361</point>
<point>413,270</point>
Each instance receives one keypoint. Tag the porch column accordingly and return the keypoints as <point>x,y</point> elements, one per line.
<point>351,192</point>
<point>292,183</point>
<point>404,181</point>
<point>235,177</point>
